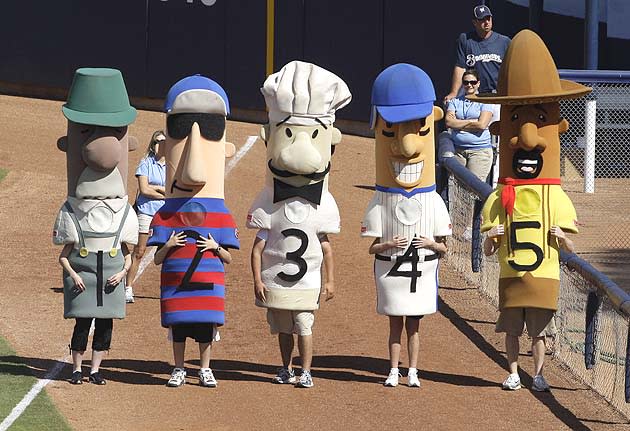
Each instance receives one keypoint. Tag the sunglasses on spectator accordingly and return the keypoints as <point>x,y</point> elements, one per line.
<point>470,82</point>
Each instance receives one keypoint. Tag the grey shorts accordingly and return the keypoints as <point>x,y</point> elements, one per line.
<point>538,321</point>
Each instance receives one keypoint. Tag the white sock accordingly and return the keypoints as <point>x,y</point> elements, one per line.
<point>394,370</point>
<point>413,371</point>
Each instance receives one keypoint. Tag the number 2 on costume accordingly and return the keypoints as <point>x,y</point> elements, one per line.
<point>514,226</point>
<point>411,255</point>
<point>296,256</point>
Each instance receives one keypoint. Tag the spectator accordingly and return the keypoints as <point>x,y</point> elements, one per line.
<point>469,132</point>
<point>482,49</point>
<point>151,177</point>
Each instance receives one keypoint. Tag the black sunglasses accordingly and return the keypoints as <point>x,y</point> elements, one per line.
<point>211,126</point>
<point>469,82</point>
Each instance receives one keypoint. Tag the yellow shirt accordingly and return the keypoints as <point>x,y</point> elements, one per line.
<point>528,255</point>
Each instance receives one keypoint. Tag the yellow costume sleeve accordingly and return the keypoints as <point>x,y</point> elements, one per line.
<point>492,213</point>
<point>566,216</point>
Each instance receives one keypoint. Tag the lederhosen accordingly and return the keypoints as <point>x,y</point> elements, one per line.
<point>98,300</point>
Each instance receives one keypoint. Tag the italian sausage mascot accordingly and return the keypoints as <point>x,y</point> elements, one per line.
<point>96,225</point>
<point>528,215</point>
<point>194,230</point>
<point>294,213</point>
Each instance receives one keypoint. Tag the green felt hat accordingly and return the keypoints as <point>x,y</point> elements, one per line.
<point>98,96</point>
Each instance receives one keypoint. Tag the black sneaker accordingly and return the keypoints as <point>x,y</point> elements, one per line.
<point>77,378</point>
<point>97,379</point>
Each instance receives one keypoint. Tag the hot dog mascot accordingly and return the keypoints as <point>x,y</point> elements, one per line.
<point>294,213</point>
<point>527,216</point>
<point>96,224</point>
<point>407,218</point>
<point>194,229</point>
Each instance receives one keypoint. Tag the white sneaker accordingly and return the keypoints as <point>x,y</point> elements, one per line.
<point>540,384</point>
<point>305,380</point>
<point>206,378</point>
<point>512,383</point>
<point>129,295</point>
<point>285,376</point>
<point>178,378</point>
<point>413,380</point>
<point>392,379</point>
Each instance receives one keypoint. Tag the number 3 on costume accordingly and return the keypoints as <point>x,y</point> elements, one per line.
<point>296,256</point>
<point>516,225</point>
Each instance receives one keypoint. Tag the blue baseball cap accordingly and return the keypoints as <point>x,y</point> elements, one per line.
<point>196,94</point>
<point>402,92</point>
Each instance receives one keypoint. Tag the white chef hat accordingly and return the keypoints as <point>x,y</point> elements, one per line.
<point>304,92</point>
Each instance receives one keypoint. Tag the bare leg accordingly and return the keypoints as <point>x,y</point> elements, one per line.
<point>395,330</point>
<point>204,354</point>
<point>286,343</point>
<point>413,340</point>
<point>77,360</point>
<point>512,350</point>
<point>136,257</point>
<point>305,346</point>
<point>178,353</point>
<point>538,352</point>
<point>97,358</point>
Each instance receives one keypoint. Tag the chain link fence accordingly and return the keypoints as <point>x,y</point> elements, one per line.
<point>595,168</point>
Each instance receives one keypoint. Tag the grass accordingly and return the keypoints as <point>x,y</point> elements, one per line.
<point>3,173</point>
<point>15,381</point>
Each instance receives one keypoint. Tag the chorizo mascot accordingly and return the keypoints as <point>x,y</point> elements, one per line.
<point>194,229</point>
<point>96,224</point>
<point>294,212</point>
<point>406,217</point>
<point>527,216</point>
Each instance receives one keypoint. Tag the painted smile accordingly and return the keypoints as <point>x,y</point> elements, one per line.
<point>407,173</point>
<point>527,164</point>
<point>174,186</point>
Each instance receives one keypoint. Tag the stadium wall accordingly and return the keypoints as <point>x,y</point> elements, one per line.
<point>156,42</point>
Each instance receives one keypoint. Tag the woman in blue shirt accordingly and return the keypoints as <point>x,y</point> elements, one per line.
<point>151,174</point>
<point>469,122</point>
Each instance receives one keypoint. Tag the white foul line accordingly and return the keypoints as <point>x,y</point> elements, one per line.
<point>40,384</point>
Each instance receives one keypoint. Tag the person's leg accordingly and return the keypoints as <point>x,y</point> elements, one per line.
<point>286,343</point>
<point>480,162</point>
<point>101,341</point>
<point>538,352</point>
<point>413,340</point>
<point>395,331</point>
<point>78,343</point>
<point>136,257</point>
<point>512,349</point>
<point>305,347</point>
<point>179,348</point>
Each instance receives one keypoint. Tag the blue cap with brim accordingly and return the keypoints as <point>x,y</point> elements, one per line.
<point>197,94</point>
<point>402,92</point>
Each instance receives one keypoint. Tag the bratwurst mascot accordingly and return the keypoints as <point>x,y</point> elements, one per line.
<point>96,224</point>
<point>295,212</point>
<point>406,217</point>
<point>527,216</point>
<point>194,229</point>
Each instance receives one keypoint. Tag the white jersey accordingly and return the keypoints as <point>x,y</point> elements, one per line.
<point>406,279</point>
<point>292,257</point>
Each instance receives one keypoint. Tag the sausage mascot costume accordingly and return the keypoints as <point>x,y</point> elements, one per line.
<point>295,212</point>
<point>96,224</point>
<point>528,213</point>
<point>405,207</point>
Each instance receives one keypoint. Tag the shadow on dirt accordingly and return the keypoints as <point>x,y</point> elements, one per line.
<point>546,398</point>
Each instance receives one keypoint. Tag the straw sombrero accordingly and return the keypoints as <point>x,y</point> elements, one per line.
<point>528,75</point>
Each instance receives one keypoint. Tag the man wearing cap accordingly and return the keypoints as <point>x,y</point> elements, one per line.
<point>406,217</point>
<point>527,215</point>
<point>482,49</point>
<point>294,213</point>
<point>193,230</point>
<point>96,225</point>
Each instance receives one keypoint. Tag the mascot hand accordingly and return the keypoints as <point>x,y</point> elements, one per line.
<point>78,282</point>
<point>259,291</point>
<point>329,290</point>
<point>207,244</point>
<point>422,242</point>
<point>496,231</point>
<point>558,232</point>
<point>116,278</point>
<point>178,240</point>
<point>399,242</point>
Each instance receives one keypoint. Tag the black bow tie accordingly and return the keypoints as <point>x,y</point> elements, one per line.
<point>311,192</point>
